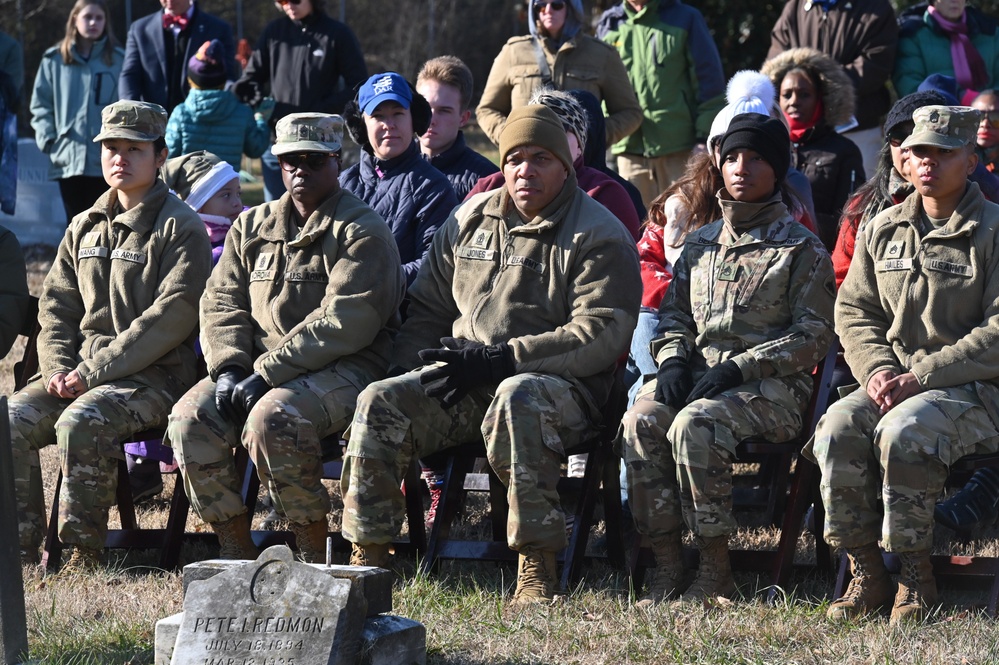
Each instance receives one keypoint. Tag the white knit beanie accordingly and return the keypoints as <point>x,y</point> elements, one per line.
<point>748,91</point>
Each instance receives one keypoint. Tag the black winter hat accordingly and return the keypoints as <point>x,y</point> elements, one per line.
<point>767,136</point>
<point>904,107</point>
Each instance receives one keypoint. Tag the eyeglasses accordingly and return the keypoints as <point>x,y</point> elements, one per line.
<point>895,138</point>
<point>314,161</point>
<point>290,2</point>
<point>556,6</point>
<point>991,117</point>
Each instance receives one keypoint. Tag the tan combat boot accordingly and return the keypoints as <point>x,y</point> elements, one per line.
<point>311,540</point>
<point>81,561</point>
<point>714,574</point>
<point>917,588</point>
<point>536,578</point>
<point>376,556</point>
<point>870,590</point>
<point>234,538</point>
<point>667,580</point>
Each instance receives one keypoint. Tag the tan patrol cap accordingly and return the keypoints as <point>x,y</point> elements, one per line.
<point>308,132</point>
<point>134,121</point>
<point>944,126</point>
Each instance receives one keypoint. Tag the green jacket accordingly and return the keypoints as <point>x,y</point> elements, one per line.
<point>284,301</point>
<point>582,63</point>
<point>756,288</point>
<point>676,72</point>
<point>66,108</point>
<point>562,290</point>
<point>121,299</point>
<point>926,303</point>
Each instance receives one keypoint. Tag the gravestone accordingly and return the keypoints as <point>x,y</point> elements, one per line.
<point>13,623</point>
<point>39,216</point>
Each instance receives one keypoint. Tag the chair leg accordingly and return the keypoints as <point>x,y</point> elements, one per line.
<point>123,494</point>
<point>52,550</point>
<point>414,508</point>
<point>585,507</point>
<point>452,493</point>
<point>613,513</point>
<point>173,536</point>
<point>791,526</point>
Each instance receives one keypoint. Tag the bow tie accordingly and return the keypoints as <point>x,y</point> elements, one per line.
<point>170,20</point>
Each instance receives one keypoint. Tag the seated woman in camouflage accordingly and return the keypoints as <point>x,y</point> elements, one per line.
<point>747,316</point>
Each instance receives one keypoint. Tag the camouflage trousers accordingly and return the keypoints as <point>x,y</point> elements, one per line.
<point>882,474</point>
<point>679,463</point>
<point>526,421</point>
<point>282,434</point>
<point>90,431</point>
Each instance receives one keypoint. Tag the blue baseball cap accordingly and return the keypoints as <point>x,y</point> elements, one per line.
<point>382,88</point>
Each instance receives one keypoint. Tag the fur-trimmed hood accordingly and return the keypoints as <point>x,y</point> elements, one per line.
<point>835,87</point>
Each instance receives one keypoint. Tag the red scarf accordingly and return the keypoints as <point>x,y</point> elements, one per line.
<point>969,68</point>
<point>797,128</point>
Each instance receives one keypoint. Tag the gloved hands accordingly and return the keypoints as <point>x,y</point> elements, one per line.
<point>673,383</point>
<point>718,379</point>
<point>266,108</point>
<point>248,392</point>
<point>248,92</point>
<point>228,378</point>
<point>468,364</point>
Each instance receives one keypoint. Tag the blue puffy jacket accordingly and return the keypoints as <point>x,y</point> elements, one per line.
<point>214,120</point>
<point>412,197</point>
<point>462,166</point>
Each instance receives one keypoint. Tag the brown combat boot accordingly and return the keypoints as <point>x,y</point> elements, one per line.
<point>234,538</point>
<point>870,590</point>
<point>311,540</point>
<point>376,556</point>
<point>917,588</point>
<point>667,580</point>
<point>714,574</point>
<point>536,578</point>
<point>81,561</point>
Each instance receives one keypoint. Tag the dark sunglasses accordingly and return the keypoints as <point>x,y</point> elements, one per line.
<point>992,117</point>
<point>895,139</point>
<point>290,2</point>
<point>314,161</point>
<point>556,6</point>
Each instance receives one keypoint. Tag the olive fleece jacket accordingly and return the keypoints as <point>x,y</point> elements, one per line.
<point>121,300</point>
<point>925,303</point>
<point>285,301</point>
<point>563,289</point>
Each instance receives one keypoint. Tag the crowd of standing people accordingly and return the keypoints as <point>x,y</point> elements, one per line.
<point>425,296</point>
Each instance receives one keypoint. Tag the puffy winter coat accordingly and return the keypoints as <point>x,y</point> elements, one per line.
<point>214,120</point>
<point>462,166</point>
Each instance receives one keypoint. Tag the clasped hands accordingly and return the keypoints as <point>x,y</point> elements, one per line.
<point>675,385</point>
<point>888,388</point>
<point>236,393</point>
<point>66,385</point>
<point>467,364</point>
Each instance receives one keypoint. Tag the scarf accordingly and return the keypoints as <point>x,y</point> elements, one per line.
<point>969,68</point>
<point>797,128</point>
<point>217,227</point>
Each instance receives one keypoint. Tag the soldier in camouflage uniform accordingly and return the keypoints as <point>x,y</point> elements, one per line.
<point>748,314</point>
<point>116,350</point>
<point>533,290</point>
<point>297,318</point>
<point>918,316</point>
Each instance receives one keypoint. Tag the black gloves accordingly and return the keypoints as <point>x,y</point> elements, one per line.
<point>673,383</point>
<point>247,393</point>
<point>469,364</point>
<point>248,92</point>
<point>228,378</point>
<point>719,378</point>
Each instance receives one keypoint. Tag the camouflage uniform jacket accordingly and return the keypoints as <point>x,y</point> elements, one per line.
<point>286,301</point>
<point>121,299</point>
<point>755,287</point>
<point>926,302</point>
<point>563,289</point>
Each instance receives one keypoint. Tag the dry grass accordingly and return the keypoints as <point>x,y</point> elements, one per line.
<point>109,617</point>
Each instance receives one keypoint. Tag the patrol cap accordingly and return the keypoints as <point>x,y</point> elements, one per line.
<point>382,88</point>
<point>135,121</point>
<point>944,126</point>
<point>308,132</point>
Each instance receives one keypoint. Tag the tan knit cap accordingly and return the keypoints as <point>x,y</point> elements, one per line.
<point>535,125</point>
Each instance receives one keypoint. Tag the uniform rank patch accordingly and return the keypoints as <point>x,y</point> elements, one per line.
<point>481,239</point>
<point>263,262</point>
<point>127,255</point>
<point>950,268</point>
<point>91,239</point>
<point>262,276</point>
<point>728,272</point>
<point>476,254</point>
<point>536,266</point>
<point>889,265</point>
<point>91,252</point>
<point>895,250</point>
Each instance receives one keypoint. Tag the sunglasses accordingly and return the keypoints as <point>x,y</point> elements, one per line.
<point>556,6</point>
<point>289,2</point>
<point>314,161</point>
<point>991,117</point>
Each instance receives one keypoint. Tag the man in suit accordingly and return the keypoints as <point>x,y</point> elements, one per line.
<point>159,46</point>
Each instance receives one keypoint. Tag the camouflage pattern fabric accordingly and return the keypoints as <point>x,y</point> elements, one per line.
<point>90,431</point>
<point>282,435</point>
<point>888,470</point>
<point>679,464</point>
<point>526,421</point>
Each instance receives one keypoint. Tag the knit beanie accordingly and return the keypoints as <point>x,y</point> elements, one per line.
<point>535,125</point>
<point>748,91</point>
<point>197,176</point>
<point>902,110</point>
<point>567,108</point>
<point>206,68</point>
<point>767,136</point>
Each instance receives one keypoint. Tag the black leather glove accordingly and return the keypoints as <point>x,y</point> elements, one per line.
<point>719,378</point>
<point>248,92</point>
<point>468,364</point>
<point>247,393</point>
<point>673,382</point>
<point>224,385</point>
